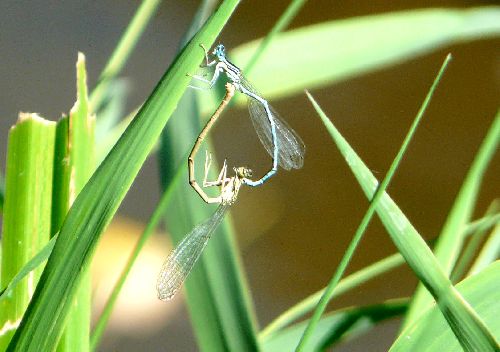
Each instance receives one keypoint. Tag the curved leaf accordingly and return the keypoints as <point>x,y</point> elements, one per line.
<point>432,333</point>
<point>322,54</point>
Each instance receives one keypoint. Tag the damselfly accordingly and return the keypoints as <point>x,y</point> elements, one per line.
<point>280,141</point>
<point>192,178</point>
<point>183,258</point>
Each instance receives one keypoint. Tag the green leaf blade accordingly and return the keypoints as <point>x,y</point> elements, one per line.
<point>337,326</point>
<point>465,323</point>
<point>319,55</point>
<point>74,163</point>
<point>27,213</point>
<point>218,302</point>
<point>2,193</point>
<point>101,196</point>
<point>431,332</point>
<point>450,242</point>
<point>216,293</point>
<point>122,52</point>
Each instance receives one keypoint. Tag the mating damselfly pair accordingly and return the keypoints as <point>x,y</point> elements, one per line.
<point>280,141</point>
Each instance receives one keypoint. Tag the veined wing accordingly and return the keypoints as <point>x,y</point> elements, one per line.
<point>291,148</point>
<point>179,263</point>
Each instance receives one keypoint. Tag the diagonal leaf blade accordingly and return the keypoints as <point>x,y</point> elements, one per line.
<point>31,265</point>
<point>336,326</point>
<point>465,323</point>
<point>371,209</point>
<point>100,198</point>
<point>450,242</point>
<point>217,298</point>
<point>431,333</point>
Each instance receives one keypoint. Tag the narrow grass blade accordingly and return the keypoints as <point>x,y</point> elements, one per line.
<point>26,220</point>
<point>122,51</point>
<point>98,201</point>
<point>449,243</point>
<point>216,293</point>
<point>112,109</point>
<point>465,323</point>
<point>346,284</point>
<point>158,213</point>
<point>291,11</point>
<point>2,192</point>
<point>353,281</point>
<point>337,326</point>
<point>489,253</point>
<point>431,332</point>
<point>482,224</point>
<point>31,265</point>
<point>470,251</point>
<point>74,164</point>
<point>370,211</point>
<point>203,11</point>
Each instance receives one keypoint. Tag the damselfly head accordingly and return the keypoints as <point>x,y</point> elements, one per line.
<point>243,172</point>
<point>220,51</point>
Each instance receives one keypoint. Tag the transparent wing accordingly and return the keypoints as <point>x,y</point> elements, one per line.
<point>179,263</point>
<point>291,148</point>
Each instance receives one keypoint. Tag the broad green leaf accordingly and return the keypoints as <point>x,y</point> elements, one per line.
<point>467,326</point>
<point>336,327</point>
<point>105,145</point>
<point>27,213</point>
<point>98,201</point>
<point>322,54</point>
<point>281,24</point>
<point>431,333</point>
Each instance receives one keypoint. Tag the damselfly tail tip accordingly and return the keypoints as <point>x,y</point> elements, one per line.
<point>166,295</point>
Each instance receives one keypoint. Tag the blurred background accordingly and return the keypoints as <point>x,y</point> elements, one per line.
<point>293,231</point>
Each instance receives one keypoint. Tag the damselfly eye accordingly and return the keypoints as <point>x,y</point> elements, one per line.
<point>219,50</point>
<point>248,172</point>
